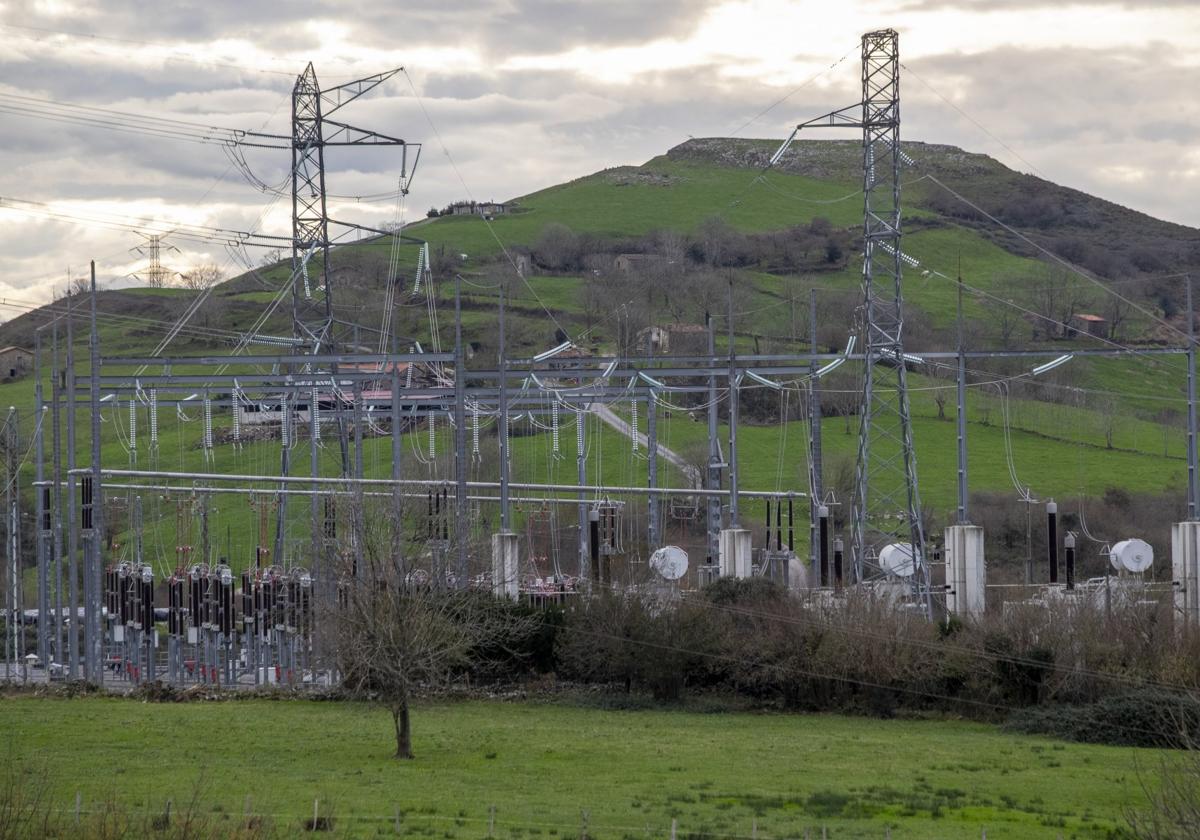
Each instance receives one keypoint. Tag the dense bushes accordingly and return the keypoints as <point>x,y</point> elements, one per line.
<point>862,654</point>
<point>1145,718</point>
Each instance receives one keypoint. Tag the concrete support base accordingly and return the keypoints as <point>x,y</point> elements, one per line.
<point>504,565</point>
<point>1185,571</point>
<point>966,571</point>
<point>735,550</point>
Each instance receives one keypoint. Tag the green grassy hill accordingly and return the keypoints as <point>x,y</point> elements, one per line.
<point>707,209</point>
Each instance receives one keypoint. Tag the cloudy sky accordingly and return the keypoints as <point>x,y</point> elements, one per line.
<point>512,95</point>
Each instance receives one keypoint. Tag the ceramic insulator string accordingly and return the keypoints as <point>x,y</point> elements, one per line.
<point>208,431</point>
<point>314,408</point>
<point>408,373</point>
<point>283,423</point>
<point>634,423</point>
<point>432,436</point>
<point>132,425</point>
<point>153,418</point>
<point>554,427</point>
<point>422,260</point>
<point>475,430</point>
<point>237,419</point>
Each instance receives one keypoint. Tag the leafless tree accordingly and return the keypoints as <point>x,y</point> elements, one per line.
<point>1057,296</point>
<point>1172,795</point>
<point>202,276</point>
<point>1116,311</point>
<point>395,636</point>
<point>557,248</point>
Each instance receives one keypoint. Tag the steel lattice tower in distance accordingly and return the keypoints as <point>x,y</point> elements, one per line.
<point>156,274</point>
<point>886,506</point>
<point>312,132</point>
<point>310,217</point>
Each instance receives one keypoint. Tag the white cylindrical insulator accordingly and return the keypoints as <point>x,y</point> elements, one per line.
<point>132,423</point>
<point>408,373</point>
<point>579,433</point>
<point>432,435</point>
<point>284,415</point>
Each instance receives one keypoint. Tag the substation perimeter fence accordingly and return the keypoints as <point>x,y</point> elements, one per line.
<point>490,826</point>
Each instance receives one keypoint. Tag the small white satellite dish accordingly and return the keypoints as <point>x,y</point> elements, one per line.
<point>670,561</point>
<point>897,559</point>
<point>1131,556</point>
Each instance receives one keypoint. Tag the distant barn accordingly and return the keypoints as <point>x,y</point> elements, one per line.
<point>15,362</point>
<point>1093,325</point>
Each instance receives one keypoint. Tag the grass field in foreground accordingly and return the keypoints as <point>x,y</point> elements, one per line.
<point>541,766</point>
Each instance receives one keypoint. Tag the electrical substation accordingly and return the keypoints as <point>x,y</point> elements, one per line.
<point>345,445</point>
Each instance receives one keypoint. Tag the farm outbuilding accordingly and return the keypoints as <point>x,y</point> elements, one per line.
<point>15,362</point>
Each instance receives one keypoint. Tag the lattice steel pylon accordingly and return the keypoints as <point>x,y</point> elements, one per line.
<point>155,274</point>
<point>312,304</point>
<point>314,318</point>
<point>886,507</point>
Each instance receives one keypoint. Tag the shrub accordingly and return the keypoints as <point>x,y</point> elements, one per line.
<point>1142,718</point>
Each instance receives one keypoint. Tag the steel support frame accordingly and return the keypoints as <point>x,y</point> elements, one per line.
<point>886,507</point>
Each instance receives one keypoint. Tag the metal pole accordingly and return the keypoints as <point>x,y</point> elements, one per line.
<point>962,415</point>
<point>42,512</point>
<point>72,520</point>
<point>504,475</point>
<point>397,450</point>
<point>815,470</point>
<point>461,534</point>
<point>713,474</point>
<point>13,625</point>
<point>733,421</point>
<point>414,482</point>
<point>1193,444</point>
<point>581,478</point>
<point>316,524</point>
<point>359,513</point>
<point>56,419</point>
<point>97,557</point>
<point>652,512</point>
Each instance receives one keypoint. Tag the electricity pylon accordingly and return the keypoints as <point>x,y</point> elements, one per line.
<point>886,506</point>
<point>156,274</point>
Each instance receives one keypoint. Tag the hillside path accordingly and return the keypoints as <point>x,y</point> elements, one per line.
<point>610,418</point>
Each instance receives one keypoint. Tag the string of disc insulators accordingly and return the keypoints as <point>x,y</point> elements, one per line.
<point>422,265</point>
<point>314,414</point>
<point>237,419</point>
<point>208,428</point>
<point>634,423</point>
<point>432,436</point>
<point>133,427</point>
<point>579,432</point>
<point>554,427</point>
<point>475,430</point>
<point>153,419</point>
<point>284,437</point>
